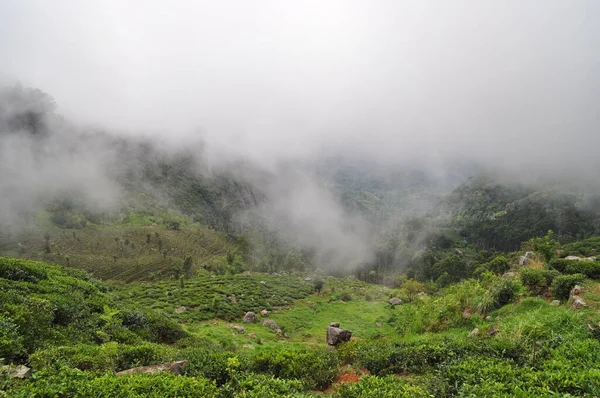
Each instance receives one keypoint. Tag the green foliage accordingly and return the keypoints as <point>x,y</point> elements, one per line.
<point>547,246</point>
<point>498,265</point>
<point>381,387</point>
<point>263,386</point>
<point>413,288</point>
<point>318,284</point>
<point>11,341</point>
<point>501,292</point>
<point>589,268</point>
<point>315,368</point>
<point>102,358</point>
<point>74,383</point>
<point>43,305</point>
<point>537,280</point>
<point>561,285</point>
<point>225,297</point>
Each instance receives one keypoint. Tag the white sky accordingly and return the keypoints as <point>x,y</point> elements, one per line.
<point>499,80</point>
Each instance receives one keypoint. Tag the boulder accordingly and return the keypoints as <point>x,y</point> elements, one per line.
<point>334,324</point>
<point>337,335</point>
<point>264,313</point>
<point>555,303</point>
<point>474,332</point>
<point>578,303</point>
<point>576,291</point>
<point>527,256</point>
<point>180,310</point>
<point>17,372</point>
<point>492,330</point>
<point>271,324</point>
<point>240,329</point>
<point>252,335</point>
<point>173,367</point>
<point>379,324</point>
<point>395,301</point>
<point>522,260</point>
<point>573,258</point>
<point>249,317</point>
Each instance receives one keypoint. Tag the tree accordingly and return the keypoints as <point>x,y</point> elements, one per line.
<point>413,288</point>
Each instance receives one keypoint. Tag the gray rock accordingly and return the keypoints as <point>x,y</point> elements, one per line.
<point>574,258</point>
<point>527,256</point>
<point>578,303</point>
<point>249,346</point>
<point>271,324</point>
<point>336,335</point>
<point>474,332</point>
<point>173,367</point>
<point>395,301</point>
<point>522,260</point>
<point>576,291</point>
<point>17,372</point>
<point>264,313</point>
<point>180,310</point>
<point>493,330</point>
<point>240,329</point>
<point>334,324</point>
<point>555,303</point>
<point>250,317</point>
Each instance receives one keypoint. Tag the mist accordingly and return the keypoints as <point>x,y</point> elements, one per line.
<point>509,86</point>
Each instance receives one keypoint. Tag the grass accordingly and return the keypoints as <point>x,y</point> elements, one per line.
<point>305,320</point>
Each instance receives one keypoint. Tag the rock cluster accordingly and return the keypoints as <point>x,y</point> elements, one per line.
<point>337,335</point>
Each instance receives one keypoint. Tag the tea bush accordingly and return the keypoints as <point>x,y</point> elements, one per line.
<point>315,367</point>
<point>561,285</point>
<point>537,280</point>
<point>381,387</point>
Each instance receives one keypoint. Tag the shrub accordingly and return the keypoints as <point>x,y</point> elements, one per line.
<point>142,355</point>
<point>164,329</point>
<point>318,284</point>
<point>560,264</point>
<point>499,265</point>
<point>380,387</point>
<point>562,285</point>
<point>209,362</point>
<point>588,268</point>
<point>11,342</point>
<point>315,368</point>
<point>22,271</point>
<point>502,292</point>
<point>262,386</point>
<point>537,280</point>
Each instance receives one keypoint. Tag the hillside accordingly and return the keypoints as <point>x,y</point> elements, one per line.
<point>492,336</point>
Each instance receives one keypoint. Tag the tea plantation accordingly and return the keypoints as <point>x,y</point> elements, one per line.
<point>494,336</point>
